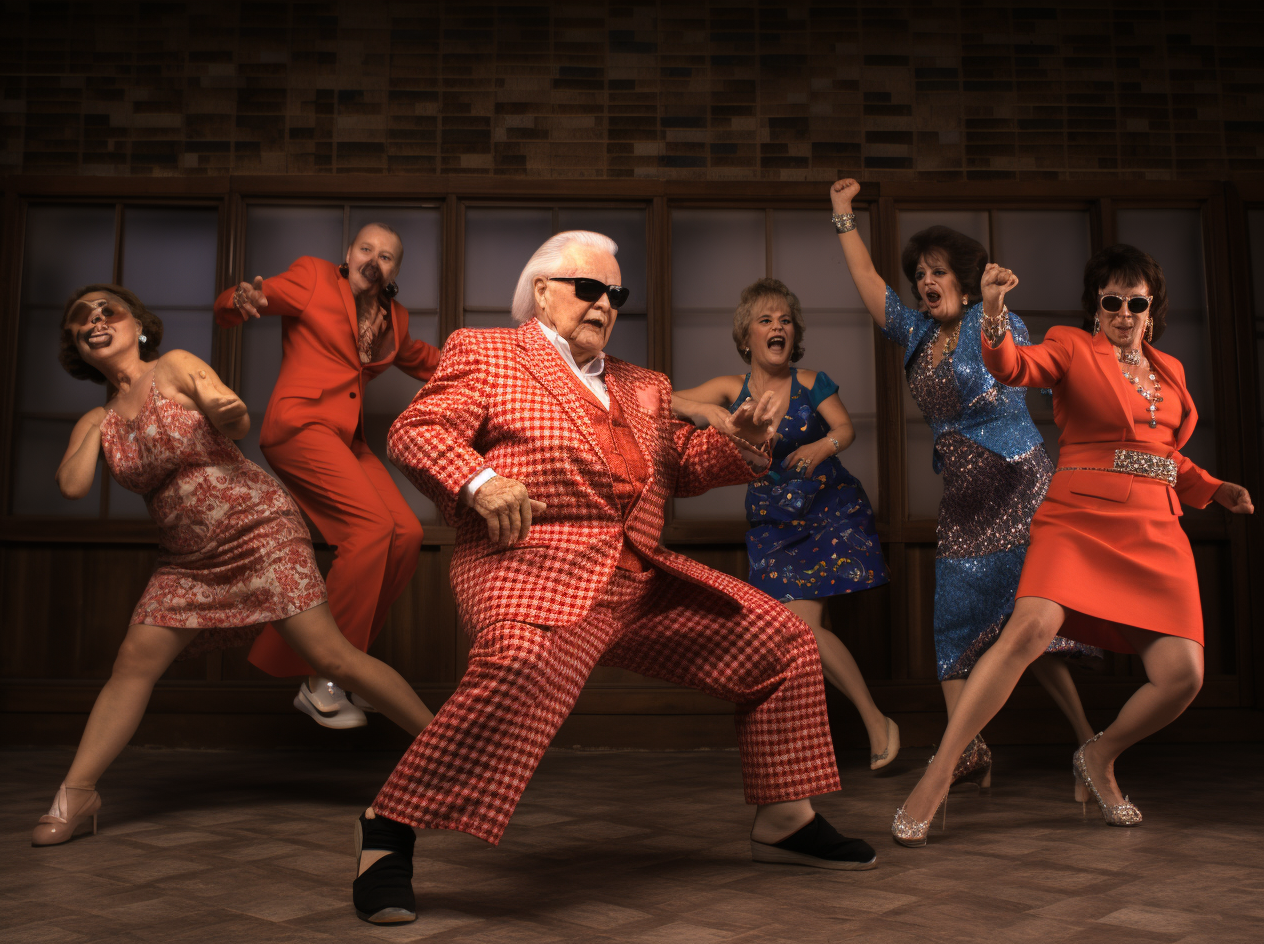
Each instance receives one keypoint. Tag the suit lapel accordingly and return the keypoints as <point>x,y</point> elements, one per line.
<point>348,302</point>
<point>1167,377</point>
<point>1108,366</point>
<point>544,363</point>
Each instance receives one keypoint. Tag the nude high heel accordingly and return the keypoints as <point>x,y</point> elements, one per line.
<point>909,832</point>
<point>60,822</point>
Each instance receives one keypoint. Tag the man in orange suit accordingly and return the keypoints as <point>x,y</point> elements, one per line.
<point>555,464</point>
<point>341,329</point>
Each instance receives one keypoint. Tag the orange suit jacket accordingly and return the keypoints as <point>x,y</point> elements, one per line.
<point>322,380</point>
<point>504,398</point>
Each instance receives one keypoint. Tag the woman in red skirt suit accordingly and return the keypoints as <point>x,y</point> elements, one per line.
<point>1108,563</point>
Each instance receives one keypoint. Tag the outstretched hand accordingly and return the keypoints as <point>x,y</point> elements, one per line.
<point>507,509</point>
<point>842,193</point>
<point>1234,497</point>
<point>754,422</point>
<point>995,283</point>
<point>248,297</point>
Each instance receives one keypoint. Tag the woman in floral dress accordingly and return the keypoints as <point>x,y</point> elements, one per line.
<point>234,551</point>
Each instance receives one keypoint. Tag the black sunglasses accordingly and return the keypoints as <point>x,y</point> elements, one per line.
<point>589,290</point>
<point>1136,303</point>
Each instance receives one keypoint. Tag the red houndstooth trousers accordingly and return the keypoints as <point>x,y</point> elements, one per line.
<point>590,584</point>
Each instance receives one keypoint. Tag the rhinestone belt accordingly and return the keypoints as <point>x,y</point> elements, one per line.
<point>1134,462</point>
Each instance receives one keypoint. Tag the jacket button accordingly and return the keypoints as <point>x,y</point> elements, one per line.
<point>352,394</point>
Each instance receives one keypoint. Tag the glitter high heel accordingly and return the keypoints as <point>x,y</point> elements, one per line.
<point>59,823</point>
<point>1125,814</point>
<point>974,767</point>
<point>909,832</point>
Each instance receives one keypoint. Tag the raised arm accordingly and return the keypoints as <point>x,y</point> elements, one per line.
<point>192,378</point>
<point>872,287</point>
<point>289,293</point>
<point>79,465</point>
<point>707,404</point>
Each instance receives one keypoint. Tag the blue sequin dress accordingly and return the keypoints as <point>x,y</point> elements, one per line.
<point>810,538</point>
<point>995,474</point>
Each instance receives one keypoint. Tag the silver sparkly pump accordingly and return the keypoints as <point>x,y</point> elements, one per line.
<point>909,832</point>
<point>1125,814</point>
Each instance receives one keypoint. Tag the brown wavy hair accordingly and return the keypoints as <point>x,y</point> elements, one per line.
<point>150,326</point>
<point>966,258</point>
<point>1129,265</point>
<point>752,297</point>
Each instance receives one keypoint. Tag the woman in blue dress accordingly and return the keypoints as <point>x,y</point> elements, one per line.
<point>990,453</point>
<point>811,531</point>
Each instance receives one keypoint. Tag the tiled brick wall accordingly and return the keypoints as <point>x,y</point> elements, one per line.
<point>741,90</point>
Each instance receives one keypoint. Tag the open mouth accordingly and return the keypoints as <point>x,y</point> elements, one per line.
<point>594,321</point>
<point>98,339</point>
<point>776,343</point>
<point>932,298</point>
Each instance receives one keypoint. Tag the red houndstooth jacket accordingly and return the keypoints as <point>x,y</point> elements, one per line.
<point>504,398</point>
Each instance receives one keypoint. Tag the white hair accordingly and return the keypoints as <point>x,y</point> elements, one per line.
<point>545,262</point>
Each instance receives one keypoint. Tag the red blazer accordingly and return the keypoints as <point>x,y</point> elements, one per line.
<point>1089,405</point>
<point>504,398</point>
<point>322,380</point>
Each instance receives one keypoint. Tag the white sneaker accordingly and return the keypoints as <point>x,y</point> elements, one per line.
<point>362,704</point>
<point>328,706</point>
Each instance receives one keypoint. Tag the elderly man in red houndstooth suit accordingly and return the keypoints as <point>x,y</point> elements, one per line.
<point>555,463</point>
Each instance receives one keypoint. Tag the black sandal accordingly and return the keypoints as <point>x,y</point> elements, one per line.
<point>384,893</point>
<point>819,845</point>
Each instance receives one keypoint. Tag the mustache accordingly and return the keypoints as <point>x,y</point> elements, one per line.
<point>371,271</point>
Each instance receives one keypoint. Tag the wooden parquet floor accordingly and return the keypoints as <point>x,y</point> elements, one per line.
<point>236,848</point>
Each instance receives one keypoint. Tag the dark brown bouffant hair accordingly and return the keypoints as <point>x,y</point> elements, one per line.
<point>966,258</point>
<point>753,297</point>
<point>150,327</point>
<point>1131,266</point>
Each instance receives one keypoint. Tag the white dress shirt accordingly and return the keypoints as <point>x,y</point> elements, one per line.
<point>591,375</point>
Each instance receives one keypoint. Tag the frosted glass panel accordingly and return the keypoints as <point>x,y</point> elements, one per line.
<point>1047,250</point>
<point>187,330</point>
<point>1174,239</point>
<point>629,340</point>
<point>39,449</point>
<point>861,457</point>
<point>925,487</point>
<point>489,319</point>
<point>841,344</point>
<point>498,243</point>
<point>726,503</point>
<point>43,386</point>
<point>625,227</point>
<point>974,223</point>
<point>260,363</point>
<point>1255,231</point>
<point>66,248</point>
<point>169,256</point>
<point>806,256</point>
<point>277,235</point>
<point>702,348</point>
<point>376,430</point>
<point>420,230</point>
<point>392,390</point>
<point>715,254</point>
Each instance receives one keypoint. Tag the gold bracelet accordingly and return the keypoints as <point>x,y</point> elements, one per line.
<point>994,326</point>
<point>837,447</point>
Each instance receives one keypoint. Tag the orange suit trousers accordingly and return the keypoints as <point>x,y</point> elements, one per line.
<point>376,537</point>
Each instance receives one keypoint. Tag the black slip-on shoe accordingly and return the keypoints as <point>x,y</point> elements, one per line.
<point>820,845</point>
<point>384,893</point>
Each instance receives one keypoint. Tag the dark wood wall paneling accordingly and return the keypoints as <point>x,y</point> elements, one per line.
<point>67,588</point>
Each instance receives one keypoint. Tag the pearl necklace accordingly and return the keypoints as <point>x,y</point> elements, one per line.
<point>1154,399</point>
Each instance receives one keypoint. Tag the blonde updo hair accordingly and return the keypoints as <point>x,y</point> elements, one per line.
<point>754,297</point>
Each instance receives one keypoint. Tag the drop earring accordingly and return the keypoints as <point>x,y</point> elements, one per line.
<point>390,290</point>
<point>1097,325</point>
<point>1149,331</point>
<point>343,270</point>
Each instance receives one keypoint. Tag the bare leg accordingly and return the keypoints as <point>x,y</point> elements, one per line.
<point>843,673</point>
<point>1052,673</point>
<point>146,653</point>
<point>315,636</point>
<point>775,821</point>
<point>1174,674</point>
<point>952,693</point>
<point>1030,629</point>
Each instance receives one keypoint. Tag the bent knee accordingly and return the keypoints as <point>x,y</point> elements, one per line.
<point>512,650</point>
<point>1027,636</point>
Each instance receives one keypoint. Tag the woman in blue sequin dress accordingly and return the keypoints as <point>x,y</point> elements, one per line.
<point>811,532</point>
<point>990,453</point>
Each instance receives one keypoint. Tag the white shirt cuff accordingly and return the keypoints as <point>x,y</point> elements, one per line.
<point>474,484</point>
